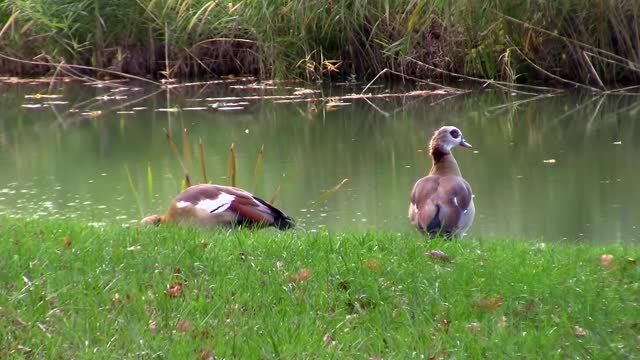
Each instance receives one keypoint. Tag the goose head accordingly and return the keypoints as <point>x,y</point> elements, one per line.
<point>448,137</point>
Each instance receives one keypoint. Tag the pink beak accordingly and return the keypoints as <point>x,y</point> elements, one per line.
<point>465,144</point>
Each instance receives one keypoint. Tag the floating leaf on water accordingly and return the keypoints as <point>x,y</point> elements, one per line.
<point>230,108</point>
<point>56,102</point>
<point>325,196</point>
<point>94,113</point>
<point>305,91</point>
<point>549,161</point>
<point>43,96</point>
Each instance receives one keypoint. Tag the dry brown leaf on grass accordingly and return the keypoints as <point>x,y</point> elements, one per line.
<point>502,321</point>
<point>328,339</point>
<point>606,261</point>
<point>438,255</point>
<point>68,244</point>
<point>580,331</point>
<point>175,289</point>
<point>372,265</point>
<point>206,354</point>
<point>184,326</point>
<point>302,275</point>
<point>153,326</point>
<point>491,304</point>
<point>474,327</point>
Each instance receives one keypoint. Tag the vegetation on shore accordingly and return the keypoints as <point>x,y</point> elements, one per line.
<point>75,291</point>
<point>593,43</point>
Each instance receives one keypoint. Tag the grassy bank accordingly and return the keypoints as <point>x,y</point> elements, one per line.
<point>591,42</point>
<point>74,291</point>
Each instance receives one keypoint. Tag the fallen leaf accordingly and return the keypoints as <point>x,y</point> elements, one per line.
<point>68,244</point>
<point>206,354</point>
<point>489,304</point>
<point>302,275</point>
<point>328,339</point>
<point>153,326</point>
<point>474,327</point>
<point>184,326</point>
<point>445,325</point>
<point>606,261</point>
<point>174,289</point>
<point>502,321</point>
<point>204,245</point>
<point>372,265</point>
<point>579,331</point>
<point>438,255</point>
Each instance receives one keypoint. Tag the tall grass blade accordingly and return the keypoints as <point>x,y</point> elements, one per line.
<point>186,182</point>
<point>231,166</point>
<point>10,21</point>
<point>275,195</point>
<point>150,181</point>
<point>186,152</point>
<point>256,171</point>
<point>174,149</point>
<point>327,194</point>
<point>203,164</point>
<point>132,186</point>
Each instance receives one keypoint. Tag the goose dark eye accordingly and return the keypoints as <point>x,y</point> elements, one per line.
<point>455,133</point>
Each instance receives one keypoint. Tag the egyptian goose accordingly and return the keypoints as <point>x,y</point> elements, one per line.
<point>442,202</point>
<point>214,205</point>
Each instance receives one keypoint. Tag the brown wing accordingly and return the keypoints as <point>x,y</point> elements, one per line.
<point>440,202</point>
<point>423,209</point>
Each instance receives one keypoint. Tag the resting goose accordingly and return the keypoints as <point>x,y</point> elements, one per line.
<point>442,202</point>
<point>216,205</point>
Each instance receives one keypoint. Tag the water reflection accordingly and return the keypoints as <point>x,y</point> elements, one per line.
<point>57,163</point>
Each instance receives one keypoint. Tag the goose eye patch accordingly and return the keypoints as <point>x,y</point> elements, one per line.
<point>454,133</point>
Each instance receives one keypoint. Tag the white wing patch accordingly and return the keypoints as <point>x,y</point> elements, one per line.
<point>217,205</point>
<point>183,204</point>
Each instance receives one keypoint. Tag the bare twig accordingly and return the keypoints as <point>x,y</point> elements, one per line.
<point>485,81</point>
<point>555,76</point>
<point>593,72</point>
<point>64,66</point>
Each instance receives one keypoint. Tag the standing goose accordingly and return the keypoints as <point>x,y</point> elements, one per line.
<point>442,202</point>
<point>216,205</point>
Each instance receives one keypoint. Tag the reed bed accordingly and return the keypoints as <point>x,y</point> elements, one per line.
<point>593,43</point>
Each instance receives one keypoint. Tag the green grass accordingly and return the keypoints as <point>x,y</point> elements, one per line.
<point>315,39</point>
<point>69,290</point>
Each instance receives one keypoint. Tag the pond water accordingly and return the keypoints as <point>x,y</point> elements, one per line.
<point>548,168</point>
